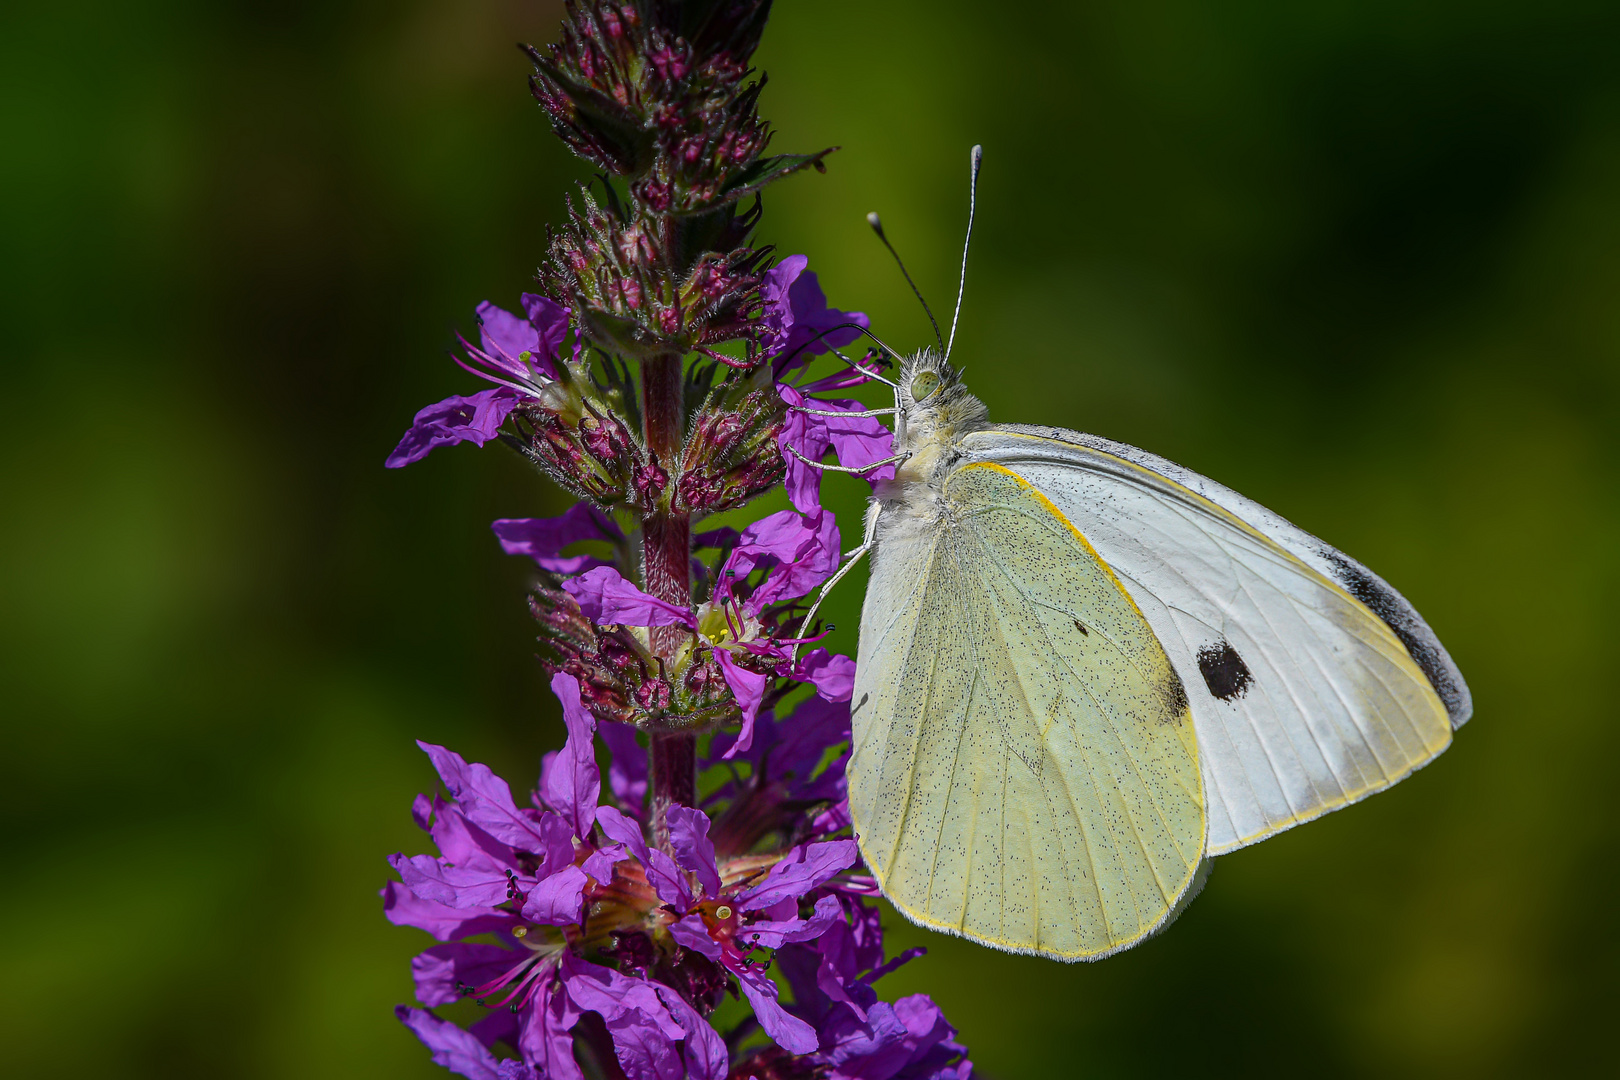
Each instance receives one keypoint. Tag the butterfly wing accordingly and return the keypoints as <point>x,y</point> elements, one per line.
<point>1025,771</point>
<point>1312,683</point>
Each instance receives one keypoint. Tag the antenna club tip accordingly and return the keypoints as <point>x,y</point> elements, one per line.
<point>873,220</point>
<point>977,153</point>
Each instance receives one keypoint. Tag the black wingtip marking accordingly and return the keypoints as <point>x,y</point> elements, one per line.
<point>1396,614</point>
<point>1224,671</point>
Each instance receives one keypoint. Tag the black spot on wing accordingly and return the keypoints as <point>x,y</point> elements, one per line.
<point>1224,671</point>
<point>1080,626</point>
<point>1398,615</point>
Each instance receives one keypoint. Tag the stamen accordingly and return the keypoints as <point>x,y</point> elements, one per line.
<point>501,980</point>
<point>808,640</point>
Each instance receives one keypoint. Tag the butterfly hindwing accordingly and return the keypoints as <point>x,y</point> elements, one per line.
<point>1025,769</point>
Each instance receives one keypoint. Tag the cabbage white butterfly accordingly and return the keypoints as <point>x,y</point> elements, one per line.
<point>1084,671</point>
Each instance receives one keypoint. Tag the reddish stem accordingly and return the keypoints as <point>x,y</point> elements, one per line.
<point>666,573</point>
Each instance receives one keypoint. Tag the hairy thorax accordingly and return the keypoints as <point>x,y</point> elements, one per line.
<point>927,433</point>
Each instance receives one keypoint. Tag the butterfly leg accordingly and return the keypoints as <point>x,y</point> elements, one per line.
<point>849,563</point>
<point>846,468</point>
<point>835,412</point>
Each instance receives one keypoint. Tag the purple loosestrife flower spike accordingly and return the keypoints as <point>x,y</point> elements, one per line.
<point>659,373</point>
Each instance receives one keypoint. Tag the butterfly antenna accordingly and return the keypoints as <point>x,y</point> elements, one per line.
<point>876,222</point>
<point>976,158</point>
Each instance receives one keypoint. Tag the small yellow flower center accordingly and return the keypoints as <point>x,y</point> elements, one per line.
<point>520,931</point>
<point>722,912</point>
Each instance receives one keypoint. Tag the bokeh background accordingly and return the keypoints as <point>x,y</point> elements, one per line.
<point>1358,260</point>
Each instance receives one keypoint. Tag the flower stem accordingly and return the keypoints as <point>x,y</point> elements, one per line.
<point>672,760</point>
<point>666,573</point>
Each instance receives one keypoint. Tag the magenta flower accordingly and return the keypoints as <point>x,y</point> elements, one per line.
<point>602,919</point>
<point>544,539</point>
<point>857,441</point>
<point>518,355</point>
<point>475,419</point>
<point>797,323</point>
<point>743,626</point>
<point>576,913</point>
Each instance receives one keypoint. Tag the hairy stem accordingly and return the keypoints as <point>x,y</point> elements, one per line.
<point>666,573</point>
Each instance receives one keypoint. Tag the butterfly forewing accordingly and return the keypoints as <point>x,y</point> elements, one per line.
<point>1304,699</point>
<point>1025,769</point>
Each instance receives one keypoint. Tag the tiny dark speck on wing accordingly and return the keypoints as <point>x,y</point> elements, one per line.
<point>1078,625</point>
<point>1224,671</point>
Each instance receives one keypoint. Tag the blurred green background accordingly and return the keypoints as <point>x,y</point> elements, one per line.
<point>1358,260</point>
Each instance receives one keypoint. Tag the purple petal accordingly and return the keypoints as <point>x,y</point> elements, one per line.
<point>543,539</point>
<point>723,537</point>
<point>485,799</point>
<point>500,1026</point>
<point>791,1034</point>
<point>808,435</point>
<point>572,783</point>
<point>693,933</point>
<point>835,818</point>
<point>547,1039</point>
<point>804,549</point>
<point>773,934</point>
<point>557,900</point>
<point>832,983</point>
<point>403,908</point>
<point>666,878</point>
<point>803,868</point>
<point>704,1049</point>
<point>607,599</point>
<point>644,1051</point>
<point>831,674</point>
<point>452,1047</point>
<point>627,773</point>
<point>475,419</point>
<point>859,440</point>
<point>462,842</point>
<point>441,971</point>
<point>899,961</point>
<point>762,737</point>
<point>512,1069</point>
<point>593,988</point>
<point>644,1034</point>
<point>689,836</point>
<point>506,336</point>
<point>748,688</point>
<point>795,311</point>
<point>601,861</point>
<point>774,286</point>
<point>812,728</point>
<point>550,322</point>
<point>458,887</point>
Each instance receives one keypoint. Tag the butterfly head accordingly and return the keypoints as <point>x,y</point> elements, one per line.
<point>934,411</point>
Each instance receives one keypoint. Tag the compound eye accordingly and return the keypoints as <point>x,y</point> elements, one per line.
<point>924,386</point>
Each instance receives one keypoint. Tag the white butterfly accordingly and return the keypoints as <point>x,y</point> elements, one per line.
<point>1084,671</point>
